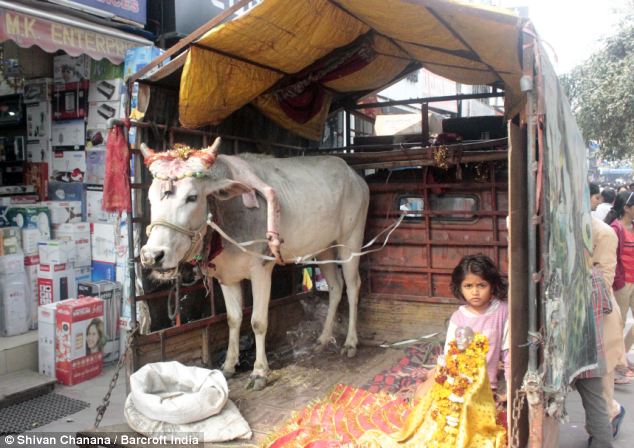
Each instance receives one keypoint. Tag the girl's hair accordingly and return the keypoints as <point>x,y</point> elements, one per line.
<point>625,198</point>
<point>98,323</point>
<point>482,266</point>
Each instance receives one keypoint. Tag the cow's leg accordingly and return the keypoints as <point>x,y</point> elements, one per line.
<point>335,289</point>
<point>261,288</point>
<point>233,302</point>
<point>353,285</point>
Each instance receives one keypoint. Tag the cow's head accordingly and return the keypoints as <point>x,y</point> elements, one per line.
<point>183,179</point>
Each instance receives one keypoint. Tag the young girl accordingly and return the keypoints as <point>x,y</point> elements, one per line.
<point>477,281</point>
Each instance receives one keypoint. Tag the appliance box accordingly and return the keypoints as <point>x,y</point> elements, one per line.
<point>69,133</point>
<point>70,100</point>
<point>79,234</point>
<point>103,271</point>
<point>110,293</point>
<point>46,338</point>
<point>83,274</point>
<point>63,212</point>
<point>57,252</point>
<point>39,151</point>
<point>99,112</point>
<point>36,173</point>
<point>106,90</point>
<point>67,69</point>
<point>34,220</point>
<point>15,304</point>
<point>38,90</point>
<point>10,241</point>
<point>11,110</point>
<point>38,121</point>
<point>12,149</point>
<point>55,283</point>
<point>103,242</point>
<point>95,165</point>
<point>138,57</point>
<point>94,211</point>
<point>31,266</point>
<point>104,70</point>
<point>69,166</point>
<point>76,320</point>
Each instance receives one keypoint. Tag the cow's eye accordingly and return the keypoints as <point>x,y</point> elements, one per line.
<point>191,198</point>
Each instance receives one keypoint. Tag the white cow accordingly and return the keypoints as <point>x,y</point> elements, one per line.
<point>303,205</point>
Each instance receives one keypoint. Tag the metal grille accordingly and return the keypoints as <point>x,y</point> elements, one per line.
<point>39,411</point>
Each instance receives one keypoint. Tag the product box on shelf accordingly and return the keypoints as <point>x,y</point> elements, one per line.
<point>105,90</point>
<point>83,274</point>
<point>64,191</point>
<point>95,165</point>
<point>138,57</point>
<point>103,271</point>
<point>103,242</point>
<point>12,190</point>
<point>70,100</point>
<point>36,173</point>
<point>79,234</point>
<point>104,70</point>
<point>55,282</point>
<point>23,199</point>
<point>69,134</point>
<point>63,212</point>
<point>96,137</point>
<point>31,267</point>
<point>46,338</point>
<point>68,68</point>
<point>38,90</point>
<point>110,293</point>
<point>99,112</point>
<point>38,121</point>
<point>39,151</point>
<point>69,166</point>
<point>15,312</point>
<point>34,220</point>
<point>79,340</point>
<point>10,240</point>
<point>57,252</point>
<point>94,211</point>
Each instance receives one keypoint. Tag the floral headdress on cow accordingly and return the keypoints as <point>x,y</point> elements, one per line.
<point>180,162</point>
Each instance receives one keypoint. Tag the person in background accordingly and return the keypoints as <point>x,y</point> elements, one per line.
<point>620,219</point>
<point>595,196</point>
<point>604,247</point>
<point>589,382</point>
<point>604,207</point>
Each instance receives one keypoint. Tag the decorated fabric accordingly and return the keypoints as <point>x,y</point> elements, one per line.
<point>458,412</point>
<point>340,419</point>
<point>116,186</point>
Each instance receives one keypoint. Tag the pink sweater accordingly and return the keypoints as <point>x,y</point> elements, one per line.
<point>493,323</point>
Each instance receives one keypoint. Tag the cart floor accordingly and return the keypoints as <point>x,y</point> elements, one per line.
<point>294,382</point>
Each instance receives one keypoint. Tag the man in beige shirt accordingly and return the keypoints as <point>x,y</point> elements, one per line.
<point>604,246</point>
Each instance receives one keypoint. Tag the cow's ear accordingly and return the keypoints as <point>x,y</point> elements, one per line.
<point>227,189</point>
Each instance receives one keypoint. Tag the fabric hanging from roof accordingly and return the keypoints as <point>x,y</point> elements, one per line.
<point>250,58</point>
<point>56,33</point>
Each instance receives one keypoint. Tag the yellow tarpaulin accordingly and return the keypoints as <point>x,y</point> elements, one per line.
<point>270,55</point>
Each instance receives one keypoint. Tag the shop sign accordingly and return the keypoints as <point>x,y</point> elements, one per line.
<point>26,30</point>
<point>134,10</point>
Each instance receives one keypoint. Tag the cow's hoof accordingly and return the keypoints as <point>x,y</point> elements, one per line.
<point>351,352</point>
<point>228,373</point>
<point>257,383</point>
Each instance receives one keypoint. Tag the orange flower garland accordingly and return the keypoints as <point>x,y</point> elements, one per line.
<point>454,375</point>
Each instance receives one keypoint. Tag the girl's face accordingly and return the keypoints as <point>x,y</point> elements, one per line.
<point>92,338</point>
<point>476,291</point>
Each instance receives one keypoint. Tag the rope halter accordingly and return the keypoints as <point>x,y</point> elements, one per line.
<point>195,237</point>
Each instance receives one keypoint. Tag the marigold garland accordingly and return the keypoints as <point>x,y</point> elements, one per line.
<point>454,376</point>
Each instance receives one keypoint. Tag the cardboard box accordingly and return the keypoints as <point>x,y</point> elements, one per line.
<point>34,220</point>
<point>55,282</point>
<point>103,242</point>
<point>106,90</point>
<point>10,241</point>
<point>82,275</point>
<point>15,317</point>
<point>24,199</point>
<point>46,323</point>
<point>38,121</point>
<point>63,191</point>
<point>63,212</point>
<point>95,165</point>
<point>69,166</point>
<point>40,151</point>
<point>31,267</point>
<point>79,234</point>
<point>70,100</point>
<point>96,137</point>
<point>104,69</point>
<point>57,252</point>
<point>11,190</point>
<point>100,112</point>
<point>103,271</point>
<point>36,173</point>
<point>37,90</point>
<point>138,57</point>
<point>79,340</point>
<point>69,133</point>
<point>68,68</point>
<point>110,293</point>
<point>94,202</point>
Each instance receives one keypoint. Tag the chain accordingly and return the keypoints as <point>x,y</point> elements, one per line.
<point>516,412</point>
<point>101,409</point>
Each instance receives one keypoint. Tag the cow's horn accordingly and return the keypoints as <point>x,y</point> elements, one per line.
<point>213,149</point>
<point>146,151</point>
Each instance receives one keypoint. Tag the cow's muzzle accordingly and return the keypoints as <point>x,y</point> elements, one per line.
<point>153,257</point>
